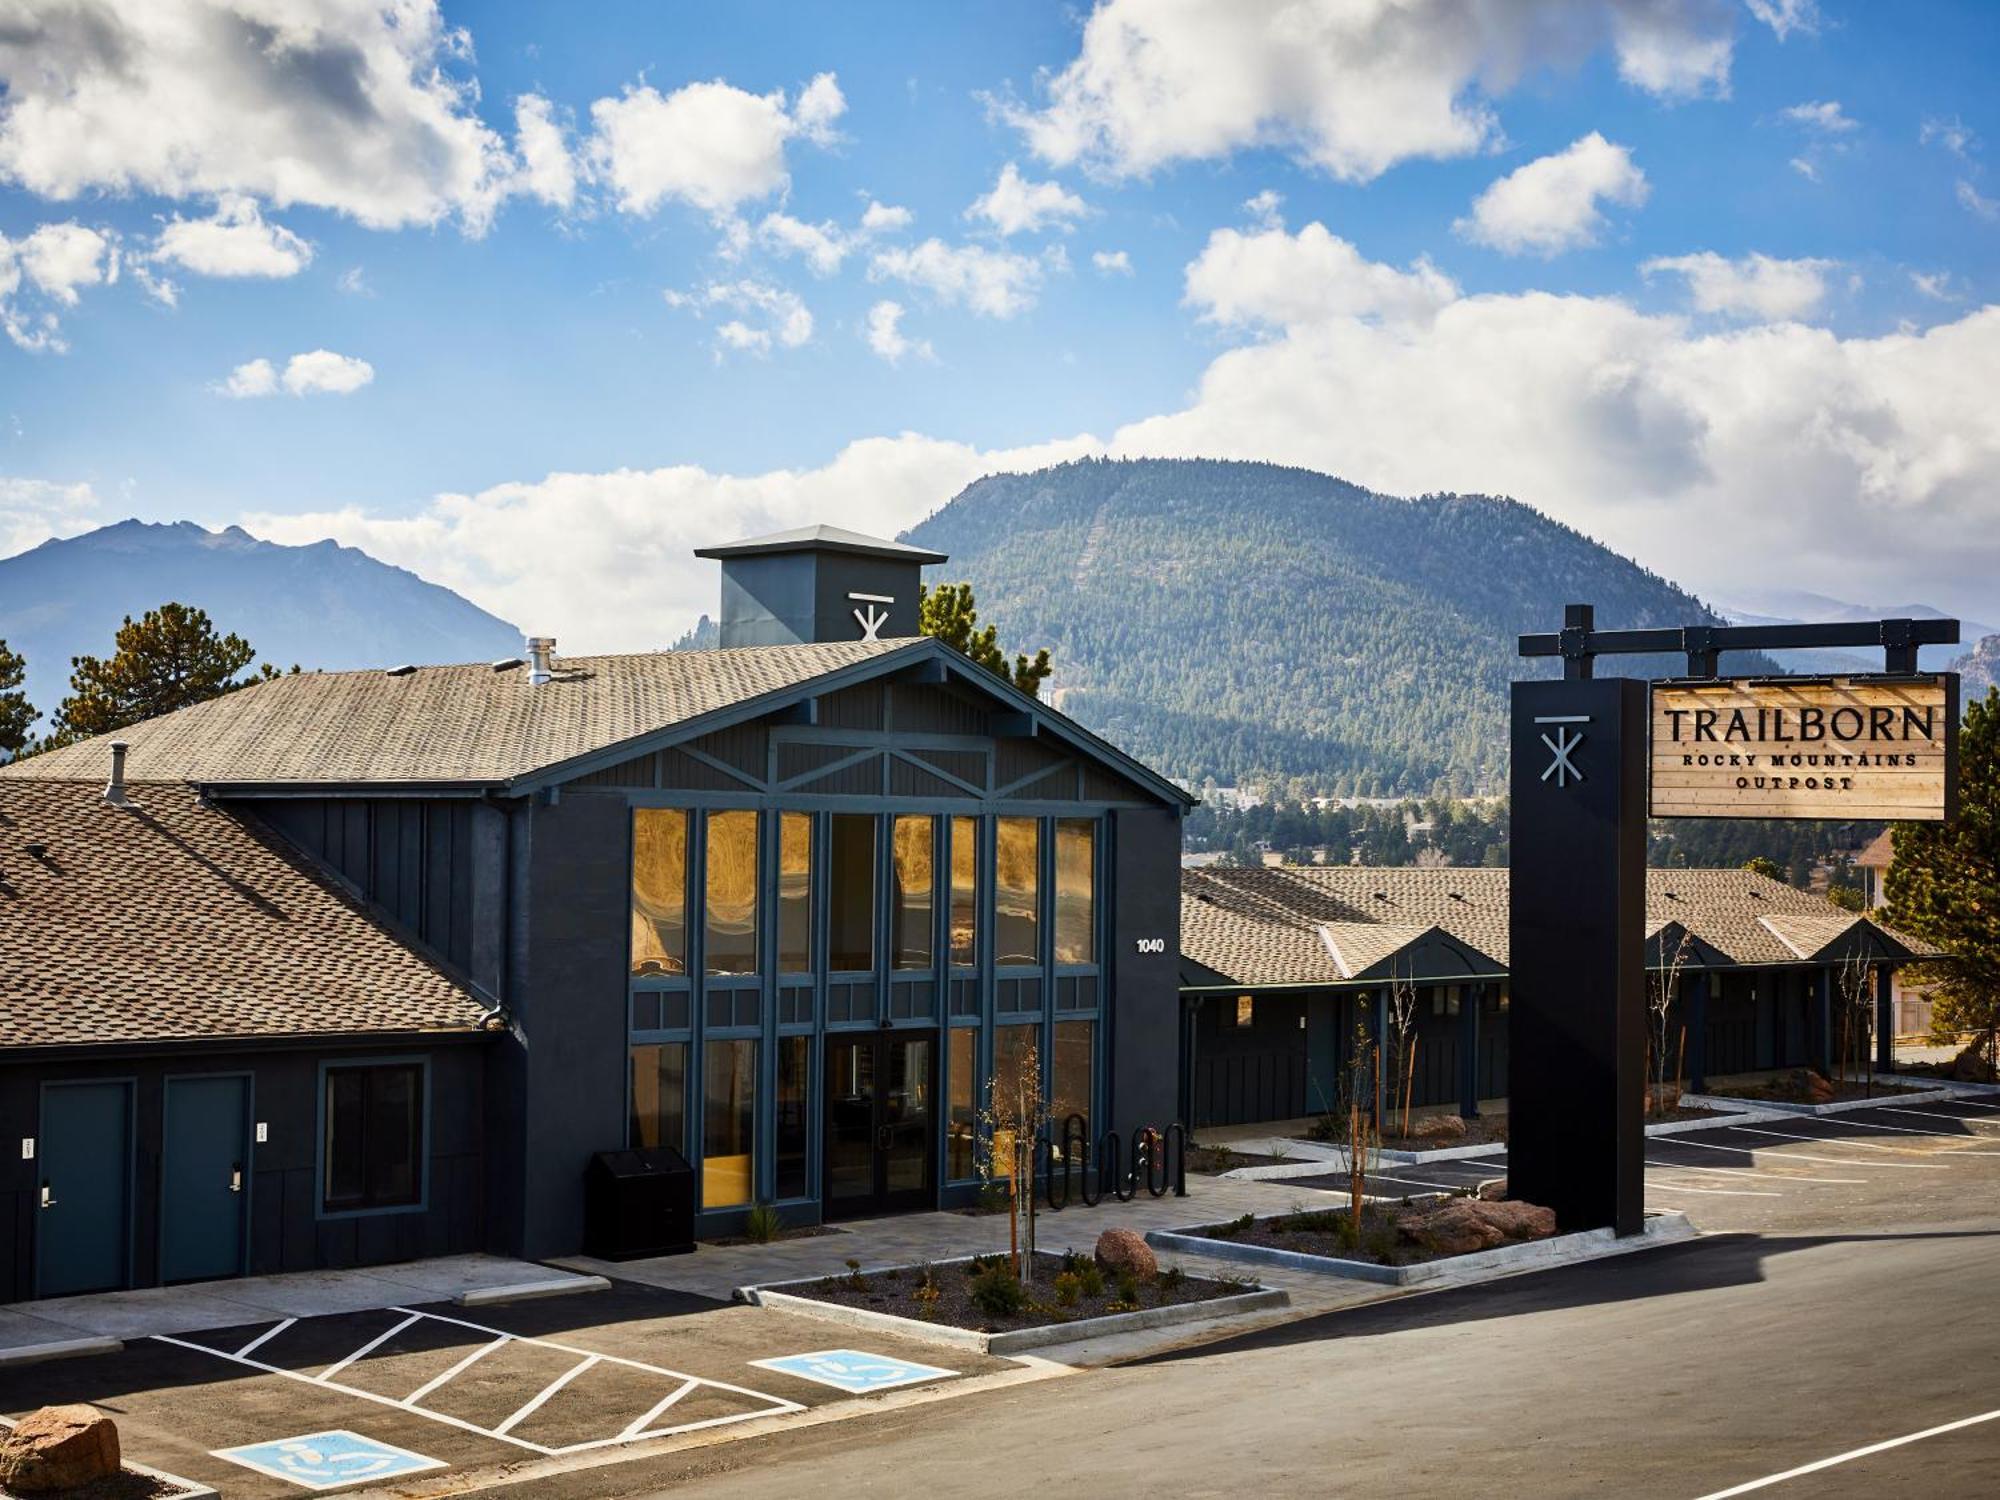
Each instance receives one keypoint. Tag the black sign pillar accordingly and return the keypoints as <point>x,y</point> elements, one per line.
<point>1576,1048</point>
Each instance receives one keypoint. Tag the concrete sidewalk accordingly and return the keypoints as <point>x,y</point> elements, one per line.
<point>26,1326</point>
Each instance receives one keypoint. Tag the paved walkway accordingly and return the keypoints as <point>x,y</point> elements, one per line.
<point>222,1304</point>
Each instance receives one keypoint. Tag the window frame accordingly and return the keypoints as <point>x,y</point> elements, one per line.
<point>421,1204</point>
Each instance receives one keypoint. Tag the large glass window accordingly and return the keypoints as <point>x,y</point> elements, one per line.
<point>962,1129</point>
<point>795,931</point>
<point>794,1100</point>
<point>1076,891</point>
<point>728,1123</point>
<point>914,842</point>
<point>1017,900</point>
<point>851,892</point>
<point>1072,1072</point>
<point>374,1137</point>
<point>659,1096</point>
<point>1016,1065</point>
<point>964,835</point>
<point>729,928</point>
<point>659,890</point>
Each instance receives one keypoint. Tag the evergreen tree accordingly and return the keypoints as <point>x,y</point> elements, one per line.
<point>1944,885</point>
<point>949,612</point>
<point>1763,865</point>
<point>16,712</point>
<point>170,658</point>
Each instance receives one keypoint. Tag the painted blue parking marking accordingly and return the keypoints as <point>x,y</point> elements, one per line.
<point>854,1370</point>
<point>329,1460</point>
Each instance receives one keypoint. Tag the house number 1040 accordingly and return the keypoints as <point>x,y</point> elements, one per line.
<point>1150,945</point>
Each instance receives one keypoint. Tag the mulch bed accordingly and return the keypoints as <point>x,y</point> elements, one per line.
<point>122,1486</point>
<point>895,1291</point>
<point>1324,1232</point>
<point>799,1232</point>
<point>1682,1112</point>
<point>1487,1130</point>
<point>1792,1089</point>
<point>1215,1160</point>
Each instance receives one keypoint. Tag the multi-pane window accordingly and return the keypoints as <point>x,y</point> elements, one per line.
<point>1071,1074</point>
<point>1017,894</point>
<point>964,836</point>
<point>659,890</point>
<point>1016,1080</point>
<point>730,926</point>
<point>962,1128</point>
<point>728,1123</point>
<point>659,1095</point>
<point>794,1102</point>
<point>851,892</point>
<point>795,924</point>
<point>1076,891</point>
<point>374,1137</point>
<point>913,900</point>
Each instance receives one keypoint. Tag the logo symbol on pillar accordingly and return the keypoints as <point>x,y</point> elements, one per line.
<point>1561,746</point>
<point>869,618</point>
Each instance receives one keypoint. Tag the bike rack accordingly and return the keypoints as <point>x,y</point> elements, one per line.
<point>1159,1162</point>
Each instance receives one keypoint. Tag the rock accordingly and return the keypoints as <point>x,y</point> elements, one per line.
<point>1492,1190</point>
<point>58,1448</point>
<point>1438,1128</point>
<point>1456,1227</point>
<point>1519,1221</point>
<point>1126,1250</point>
<point>1970,1066</point>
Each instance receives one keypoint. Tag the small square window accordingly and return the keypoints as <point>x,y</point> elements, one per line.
<point>374,1138</point>
<point>1246,1010</point>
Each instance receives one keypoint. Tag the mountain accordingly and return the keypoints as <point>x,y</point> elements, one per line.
<point>1237,620</point>
<point>1979,669</point>
<point>321,605</point>
<point>1793,606</point>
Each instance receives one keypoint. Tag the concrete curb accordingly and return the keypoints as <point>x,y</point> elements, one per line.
<point>1012,1340</point>
<point>1727,1113</point>
<point>34,1354</point>
<point>530,1291</point>
<point>1459,1270</point>
<point>1931,1080</point>
<point>1779,1109</point>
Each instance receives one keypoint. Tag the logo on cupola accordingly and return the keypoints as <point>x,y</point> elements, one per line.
<point>869,617</point>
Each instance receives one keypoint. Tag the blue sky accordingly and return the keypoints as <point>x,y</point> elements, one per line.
<point>1731,317</point>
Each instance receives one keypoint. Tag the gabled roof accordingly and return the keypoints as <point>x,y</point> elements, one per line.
<point>823,539</point>
<point>179,921</point>
<point>1270,926</point>
<point>1879,853</point>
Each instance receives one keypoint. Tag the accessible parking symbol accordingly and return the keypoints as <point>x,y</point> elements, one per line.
<point>854,1370</point>
<point>328,1460</point>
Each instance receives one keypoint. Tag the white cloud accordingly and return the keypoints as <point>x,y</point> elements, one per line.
<point>318,372</point>
<point>1112,262</point>
<point>886,337</point>
<point>711,145</point>
<point>1977,203</point>
<point>34,510</point>
<point>1350,88</point>
<point>885,218</point>
<point>354,283</point>
<point>347,105</point>
<point>1787,16</point>
<point>1806,168</point>
<point>822,246</point>
<point>1937,285</point>
<point>1263,207</point>
<point>1953,134</point>
<point>1755,286</point>
<point>1551,204</point>
<point>235,240</point>
<point>782,318</point>
<point>993,283</point>
<point>548,171</point>
<point>54,260</point>
<point>1823,115</point>
<point>1276,280</point>
<point>1015,205</point>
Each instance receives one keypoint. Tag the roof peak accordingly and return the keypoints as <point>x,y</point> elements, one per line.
<point>822,538</point>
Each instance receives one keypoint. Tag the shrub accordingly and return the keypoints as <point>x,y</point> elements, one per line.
<point>1090,1278</point>
<point>1313,1221</point>
<point>927,1296</point>
<point>1069,1286</point>
<point>763,1224</point>
<point>1118,1307</point>
<point>996,1293</point>
<point>1172,1279</point>
<point>1234,1227</point>
<point>1128,1287</point>
<point>1325,1128</point>
<point>994,1199</point>
<point>854,1277</point>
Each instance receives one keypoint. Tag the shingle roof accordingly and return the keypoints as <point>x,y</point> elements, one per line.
<point>1270,926</point>
<point>180,921</point>
<point>1879,853</point>
<point>443,724</point>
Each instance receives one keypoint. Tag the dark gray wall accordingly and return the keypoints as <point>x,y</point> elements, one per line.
<point>1144,994</point>
<point>286,1233</point>
<point>784,598</point>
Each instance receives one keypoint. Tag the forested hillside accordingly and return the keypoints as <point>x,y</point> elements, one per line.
<point>1238,621</point>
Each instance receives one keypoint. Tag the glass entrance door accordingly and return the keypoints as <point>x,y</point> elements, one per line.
<point>880,1123</point>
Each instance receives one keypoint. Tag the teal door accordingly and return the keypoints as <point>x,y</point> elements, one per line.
<point>83,1231</point>
<point>204,1178</point>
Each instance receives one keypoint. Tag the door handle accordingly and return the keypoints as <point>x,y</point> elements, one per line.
<point>885,1138</point>
<point>236,1177</point>
<point>48,1199</point>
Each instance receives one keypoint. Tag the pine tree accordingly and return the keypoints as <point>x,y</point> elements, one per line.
<point>1944,885</point>
<point>16,712</point>
<point>949,612</point>
<point>170,658</point>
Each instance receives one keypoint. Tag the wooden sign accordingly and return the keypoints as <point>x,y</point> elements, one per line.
<point>1840,748</point>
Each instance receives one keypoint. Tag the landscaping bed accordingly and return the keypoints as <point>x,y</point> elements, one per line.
<point>1803,1086</point>
<point>1487,1130</point>
<point>1392,1234</point>
<point>1213,1161</point>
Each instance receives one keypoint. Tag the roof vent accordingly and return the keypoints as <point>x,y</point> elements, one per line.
<point>508,663</point>
<point>541,659</point>
<point>1381,895</point>
<point>114,789</point>
<point>37,851</point>
<point>405,670</point>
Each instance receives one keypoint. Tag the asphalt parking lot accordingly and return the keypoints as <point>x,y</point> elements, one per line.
<point>460,1390</point>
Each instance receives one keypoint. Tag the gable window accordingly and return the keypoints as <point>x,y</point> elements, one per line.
<point>851,893</point>
<point>729,940</point>
<point>374,1137</point>
<point>659,890</point>
<point>913,837</point>
<point>1017,900</point>
<point>1076,891</point>
<point>795,931</point>
<point>964,836</point>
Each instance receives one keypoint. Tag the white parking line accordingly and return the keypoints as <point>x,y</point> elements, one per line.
<point>272,1332</point>
<point>1442,1187</point>
<point>534,1404</point>
<point>366,1349</point>
<point>454,1372</point>
<point>1688,1166</point>
<point>1825,1140</point>
<point>1924,1114</point>
<point>640,1424</point>
<point>1851,1455</point>
<point>1681,1187</point>
<point>1831,1161</point>
<point>1907,1130</point>
<point>1970,1103</point>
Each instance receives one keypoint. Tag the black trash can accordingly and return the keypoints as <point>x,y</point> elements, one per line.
<point>637,1203</point>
